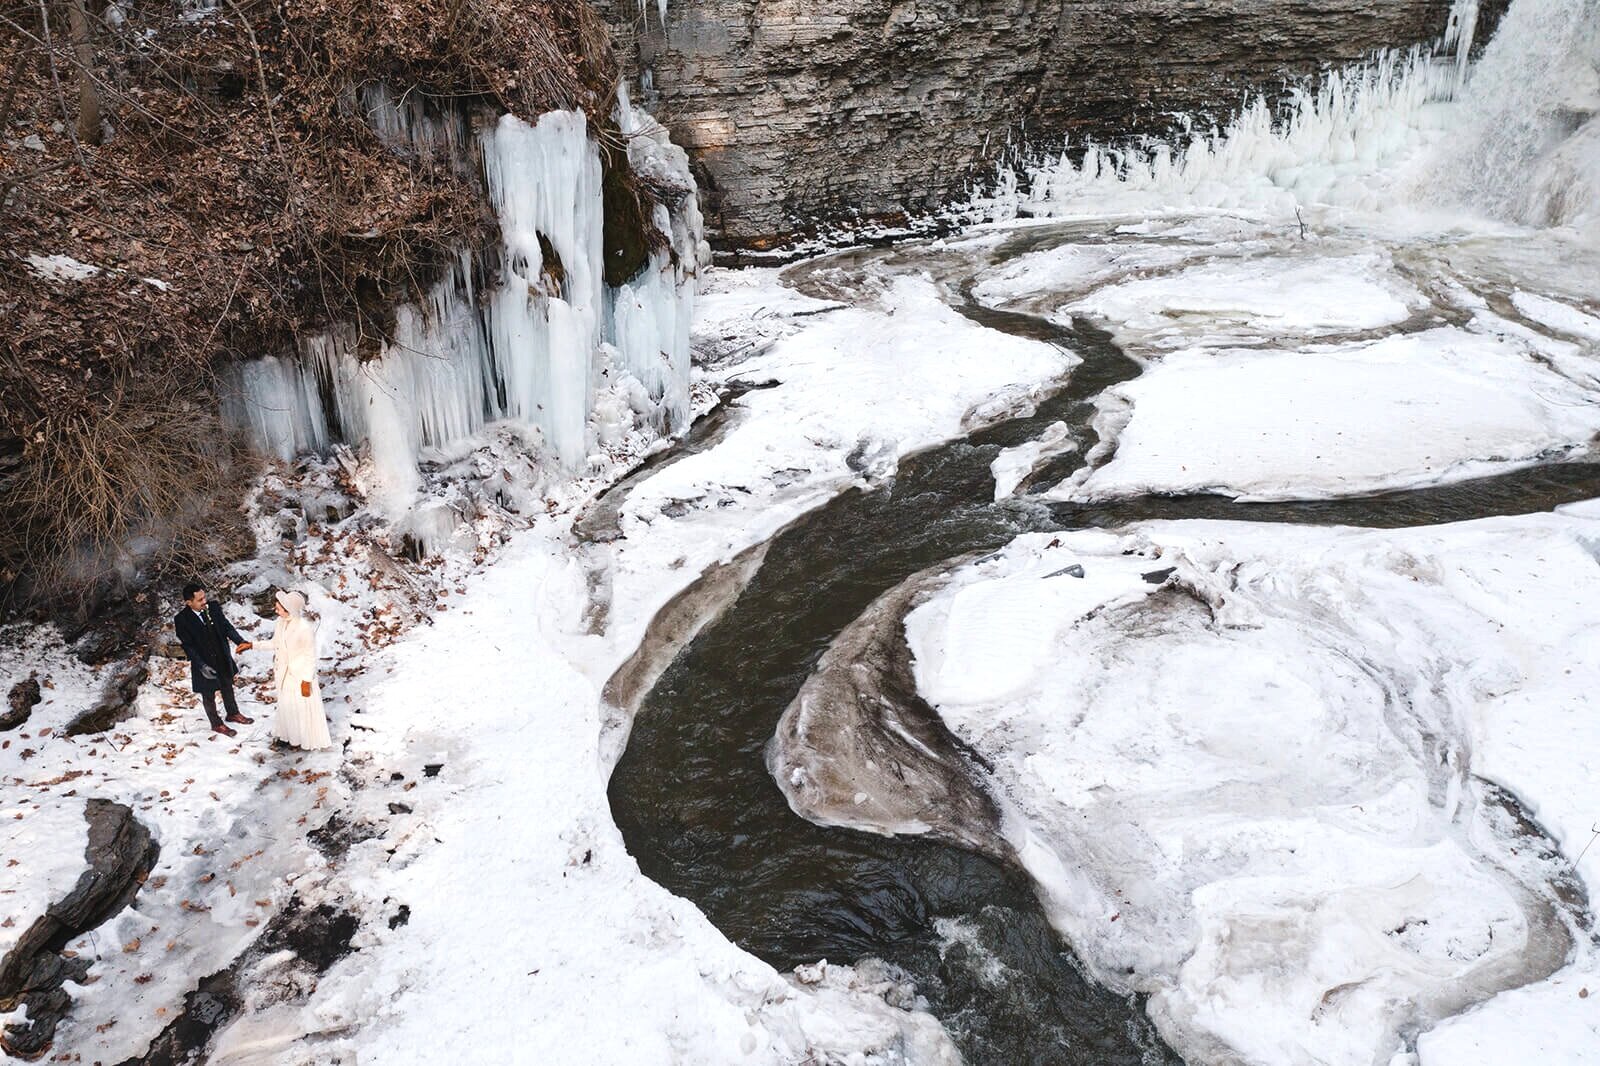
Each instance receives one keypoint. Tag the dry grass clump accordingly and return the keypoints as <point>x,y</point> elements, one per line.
<point>103,496</point>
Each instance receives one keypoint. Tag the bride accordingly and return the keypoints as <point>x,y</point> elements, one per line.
<point>299,719</point>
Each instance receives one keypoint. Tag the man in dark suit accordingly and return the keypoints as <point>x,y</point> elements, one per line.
<point>205,635</point>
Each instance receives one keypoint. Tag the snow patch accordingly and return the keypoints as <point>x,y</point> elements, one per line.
<point>61,268</point>
<point>1250,786</point>
<point>43,842</point>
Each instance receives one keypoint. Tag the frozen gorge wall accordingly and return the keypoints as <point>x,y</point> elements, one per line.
<point>1513,135</point>
<point>527,334</point>
<point>819,112</point>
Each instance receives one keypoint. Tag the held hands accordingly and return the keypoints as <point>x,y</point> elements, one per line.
<point>240,649</point>
<point>305,689</point>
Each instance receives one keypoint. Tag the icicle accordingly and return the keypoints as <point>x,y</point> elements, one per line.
<point>530,351</point>
<point>278,405</point>
<point>1459,30</point>
<point>408,127</point>
<point>648,322</point>
<point>544,181</point>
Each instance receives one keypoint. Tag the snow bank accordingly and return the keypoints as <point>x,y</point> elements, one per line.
<point>43,844</point>
<point>1246,765</point>
<point>1555,1021</point>
<point>1561,317</point>
<point>1405,411</point>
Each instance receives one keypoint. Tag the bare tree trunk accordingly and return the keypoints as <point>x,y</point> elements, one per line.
<point>88,91</point>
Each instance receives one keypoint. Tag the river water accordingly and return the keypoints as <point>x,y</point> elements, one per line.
<point>692,793</point>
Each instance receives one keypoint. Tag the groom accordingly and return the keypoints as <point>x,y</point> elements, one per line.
<point>205,635</point>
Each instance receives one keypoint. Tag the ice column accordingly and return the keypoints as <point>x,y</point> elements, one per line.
<point>529,349</point>
<point>544,181</point>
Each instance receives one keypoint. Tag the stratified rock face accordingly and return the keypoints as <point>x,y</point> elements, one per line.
<point>800,113</point>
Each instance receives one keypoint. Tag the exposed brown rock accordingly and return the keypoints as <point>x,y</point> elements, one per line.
<point>20,702</point>
<point>120,853</point>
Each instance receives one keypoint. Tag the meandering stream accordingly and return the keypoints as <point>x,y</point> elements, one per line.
<point>699,810</point>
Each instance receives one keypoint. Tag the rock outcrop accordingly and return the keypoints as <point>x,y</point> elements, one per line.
<point>119,855</point>
<point>818,113</point>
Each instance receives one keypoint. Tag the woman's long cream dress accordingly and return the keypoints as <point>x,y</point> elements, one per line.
<point>299,719</point>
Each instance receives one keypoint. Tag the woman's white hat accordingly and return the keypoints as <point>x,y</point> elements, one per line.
<point>293,602</point>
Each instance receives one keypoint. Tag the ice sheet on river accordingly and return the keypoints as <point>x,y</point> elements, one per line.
<point>1405,411</point>
<point>1277,369</point>
<point>1266,786</point>
<point>856,390</point>
<point>1257,297</point>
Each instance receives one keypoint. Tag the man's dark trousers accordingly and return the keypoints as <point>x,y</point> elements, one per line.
<point>206,638</point>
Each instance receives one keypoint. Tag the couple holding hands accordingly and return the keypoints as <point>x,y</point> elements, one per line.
<point>205,634</point>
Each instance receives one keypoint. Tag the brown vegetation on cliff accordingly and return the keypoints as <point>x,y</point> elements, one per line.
<point>214,165</point>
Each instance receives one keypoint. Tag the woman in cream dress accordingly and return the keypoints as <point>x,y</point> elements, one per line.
<point>299,719</point>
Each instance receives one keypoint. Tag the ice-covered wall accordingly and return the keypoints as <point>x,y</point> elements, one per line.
<point>824,112</point>
<point>529,334</point>
<point>1528,143</point>
<point>1513,135</point>
<point>1322,145</point>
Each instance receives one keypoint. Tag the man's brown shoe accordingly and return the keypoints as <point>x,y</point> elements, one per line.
<point>241,719</point>
<point>224,730</point>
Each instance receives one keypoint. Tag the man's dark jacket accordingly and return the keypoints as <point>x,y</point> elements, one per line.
<point>208,643</point>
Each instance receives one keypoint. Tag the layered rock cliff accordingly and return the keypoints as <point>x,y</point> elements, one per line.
<point>800,115</point>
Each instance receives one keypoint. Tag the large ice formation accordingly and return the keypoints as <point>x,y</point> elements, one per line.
<point>1261,773</point>
<point>1513,135</point>
<point>530,334</point>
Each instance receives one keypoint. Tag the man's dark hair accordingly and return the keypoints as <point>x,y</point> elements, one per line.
<point>191,588</point>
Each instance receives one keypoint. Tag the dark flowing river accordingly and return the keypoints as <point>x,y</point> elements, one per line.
<point>700,812</point>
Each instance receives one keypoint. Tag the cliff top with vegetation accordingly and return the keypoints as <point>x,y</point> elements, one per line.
<point>208,173</point>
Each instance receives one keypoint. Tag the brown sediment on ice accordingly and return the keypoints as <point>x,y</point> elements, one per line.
<point>859,748</point>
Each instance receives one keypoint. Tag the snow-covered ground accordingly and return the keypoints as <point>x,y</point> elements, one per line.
<point>476,747</point>
<point>1264,787</point>
<point>1251,767</point>
<point>1304,868</point>
<point>43,845</point>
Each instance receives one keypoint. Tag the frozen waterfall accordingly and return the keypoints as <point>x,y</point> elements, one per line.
<point>1513,135</point>
<point>532,344</point>
<point>1529,143</point>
